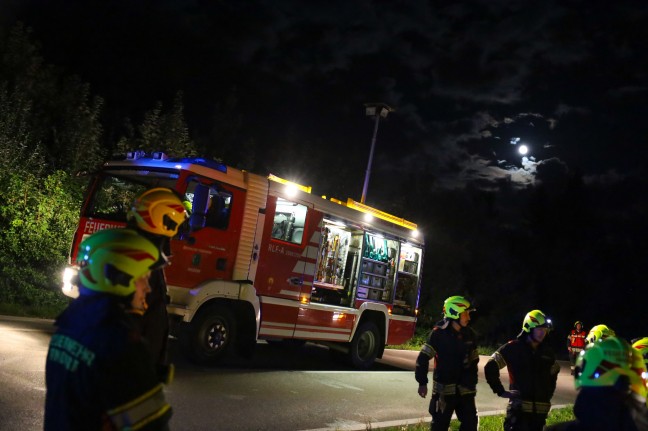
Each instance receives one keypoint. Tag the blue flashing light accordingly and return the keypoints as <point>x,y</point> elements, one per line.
<point>212,164</point>
<point>134,155</point>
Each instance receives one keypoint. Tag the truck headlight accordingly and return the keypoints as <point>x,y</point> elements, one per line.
<point>70,280</point>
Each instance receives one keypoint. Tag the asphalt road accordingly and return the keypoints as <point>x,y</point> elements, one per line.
<point>282,388</point>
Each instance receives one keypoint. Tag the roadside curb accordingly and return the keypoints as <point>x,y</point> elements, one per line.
<point>409,422</point>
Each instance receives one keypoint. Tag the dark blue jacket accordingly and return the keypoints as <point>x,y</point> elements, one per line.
<point>99,372</point>
<point>455,355</point>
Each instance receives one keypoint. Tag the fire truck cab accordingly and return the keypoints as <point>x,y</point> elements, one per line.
<point>263,258</point>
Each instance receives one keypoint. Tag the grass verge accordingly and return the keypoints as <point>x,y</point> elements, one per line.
<point>489,423</point>
<point>420,337</point>
<point>40,311</point>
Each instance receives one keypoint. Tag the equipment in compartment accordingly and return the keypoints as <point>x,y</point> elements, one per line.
<point>337,265</point>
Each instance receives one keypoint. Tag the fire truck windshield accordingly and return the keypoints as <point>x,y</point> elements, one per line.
<point>114,194</point>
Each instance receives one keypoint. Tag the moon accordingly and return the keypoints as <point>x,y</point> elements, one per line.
<point>523,149</point>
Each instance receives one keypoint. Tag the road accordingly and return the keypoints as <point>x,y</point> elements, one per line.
<point>281,388</point>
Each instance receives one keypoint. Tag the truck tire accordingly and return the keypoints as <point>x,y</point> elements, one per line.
<point>364,346</point>
<point>211,333</point>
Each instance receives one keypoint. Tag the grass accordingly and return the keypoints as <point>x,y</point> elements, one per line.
<point>420,337</point>
<point>415,343</point>
<point>489,423</point>
<point>42,311</point>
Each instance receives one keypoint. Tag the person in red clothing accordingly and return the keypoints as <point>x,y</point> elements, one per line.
<point>575,343</point>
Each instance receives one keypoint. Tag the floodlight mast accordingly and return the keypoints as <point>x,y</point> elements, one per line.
<point>376,110</point>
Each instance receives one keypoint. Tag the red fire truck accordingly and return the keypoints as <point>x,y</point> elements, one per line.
<point>262,258</point>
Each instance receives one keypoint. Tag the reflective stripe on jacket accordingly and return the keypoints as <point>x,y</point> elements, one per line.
<point>455,357</point>
<point>533,373</point>
<point>99,373</point>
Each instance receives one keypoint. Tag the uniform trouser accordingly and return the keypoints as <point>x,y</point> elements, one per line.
<point>442,407</point>
<point>517,420</point>
<point>155,330</point>
<point>573,355</point>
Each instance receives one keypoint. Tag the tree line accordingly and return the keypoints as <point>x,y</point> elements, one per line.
<point>51,132</point>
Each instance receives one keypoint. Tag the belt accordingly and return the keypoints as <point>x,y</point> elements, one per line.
<point>531,406</point>
<point>451,389</point>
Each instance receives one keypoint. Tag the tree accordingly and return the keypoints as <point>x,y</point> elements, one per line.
<point>161,131</point>
<point>49,128</point>
<point>62,117</point>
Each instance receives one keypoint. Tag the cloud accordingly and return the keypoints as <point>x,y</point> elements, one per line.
<point>610,177</point>
<point>553,172</point>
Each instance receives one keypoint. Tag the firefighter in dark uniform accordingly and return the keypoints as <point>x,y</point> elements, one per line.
<point>157,214</point>
<point>453,346</point>
<point>575,343</point>
<point>533,372</point>
<point>98,372</point>
<point>611,389</point>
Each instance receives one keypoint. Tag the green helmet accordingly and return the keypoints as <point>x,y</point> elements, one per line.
<point>599,332</point>
<point>112,259</point>
<point>607,360</point>
<point>641,345</point>
<point>536,319</point>
<point>454,306</point>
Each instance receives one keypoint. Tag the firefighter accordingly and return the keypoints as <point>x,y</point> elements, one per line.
<point>598,332</point>
<point>611,389</point>
<point>575,343</point>
<point>157,214</point>
<point>533,372</point>
<point>98,372</point>
<point>453,346</point>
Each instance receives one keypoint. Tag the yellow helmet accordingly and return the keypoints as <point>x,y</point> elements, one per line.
<point>454,306</point>
<point>599,332</point>
<point>641,345</point>
<point>111,260</point>
<point>158,211</point>
<point>536,319</point>
<point>606,361</point>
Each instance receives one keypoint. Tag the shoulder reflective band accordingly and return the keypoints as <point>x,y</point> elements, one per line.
<point>499,359</point>
<point>428,350</point>
<point>142,410</point>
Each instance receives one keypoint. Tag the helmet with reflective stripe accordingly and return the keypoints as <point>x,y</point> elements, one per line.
<point>111,260</point>
<point>599,332</point>
<point>578,322</point>
<point>454,306</point>
<point>536,319</point>
<point>158,211</point>
<point>608,360</point>
<point>641,345</point>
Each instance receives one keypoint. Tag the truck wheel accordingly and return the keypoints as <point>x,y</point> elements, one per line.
<point>211,334</point>
<point>364,347</point>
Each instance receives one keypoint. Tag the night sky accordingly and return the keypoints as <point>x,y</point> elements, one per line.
<point>568,78</point>
<point>471,81</point>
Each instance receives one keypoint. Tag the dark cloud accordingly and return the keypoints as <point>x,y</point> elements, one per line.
<point>565,77</point>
